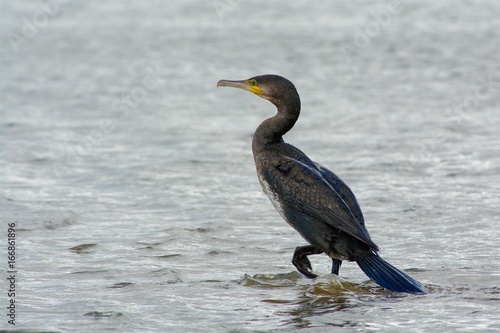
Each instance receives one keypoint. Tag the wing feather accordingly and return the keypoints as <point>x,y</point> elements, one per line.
<point>344,191</point>
<point>303,186</point>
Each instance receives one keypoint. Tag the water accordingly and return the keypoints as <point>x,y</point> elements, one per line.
<point>130,179</point>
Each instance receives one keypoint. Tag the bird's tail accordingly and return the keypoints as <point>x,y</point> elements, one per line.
<point>388,276</point>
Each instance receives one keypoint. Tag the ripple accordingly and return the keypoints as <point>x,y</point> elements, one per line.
<point>99,314</point>
<point>83,248</point>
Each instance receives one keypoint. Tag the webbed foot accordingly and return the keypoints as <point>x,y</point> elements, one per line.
<point>302,263</point>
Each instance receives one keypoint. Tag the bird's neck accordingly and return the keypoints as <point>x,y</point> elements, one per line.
<point>271,130</point>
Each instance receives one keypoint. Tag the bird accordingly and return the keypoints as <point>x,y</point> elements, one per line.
<point>311,198</point>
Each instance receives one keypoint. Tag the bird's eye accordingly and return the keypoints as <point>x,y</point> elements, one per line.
<point>253,82</point>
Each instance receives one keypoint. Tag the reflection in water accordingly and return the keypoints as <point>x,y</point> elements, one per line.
<point>315,298</point>
<point>331,301</point>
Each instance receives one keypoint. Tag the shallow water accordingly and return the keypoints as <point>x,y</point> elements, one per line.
<point>130,179</point>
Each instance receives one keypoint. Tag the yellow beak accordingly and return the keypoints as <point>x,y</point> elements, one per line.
<point>241,84</point>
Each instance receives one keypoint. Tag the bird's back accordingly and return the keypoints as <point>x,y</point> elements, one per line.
<point>310,197</point>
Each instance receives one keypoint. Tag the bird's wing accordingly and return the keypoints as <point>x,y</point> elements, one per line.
<point>301,185</point>
<point>344,191</point>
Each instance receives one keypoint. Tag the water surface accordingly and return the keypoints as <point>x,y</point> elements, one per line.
<point>131,182</point>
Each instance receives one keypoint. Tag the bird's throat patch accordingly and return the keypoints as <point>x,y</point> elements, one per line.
<point>256,90</point>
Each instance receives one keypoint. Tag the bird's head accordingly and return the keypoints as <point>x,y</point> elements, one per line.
<point>274,88</point>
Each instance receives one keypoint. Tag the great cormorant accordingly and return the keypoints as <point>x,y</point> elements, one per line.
<point>311,198</point>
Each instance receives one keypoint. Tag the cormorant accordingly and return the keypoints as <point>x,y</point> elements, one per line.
<point>311,198</point>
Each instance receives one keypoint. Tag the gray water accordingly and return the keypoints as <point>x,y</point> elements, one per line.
<point>131,183</point>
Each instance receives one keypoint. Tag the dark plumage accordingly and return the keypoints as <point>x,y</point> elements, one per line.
<point>311,198</point>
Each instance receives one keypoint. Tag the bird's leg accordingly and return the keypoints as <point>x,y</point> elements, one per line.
<point>301,262</point>
<point>336,266</point>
